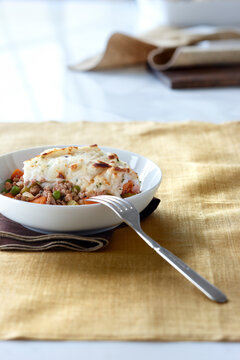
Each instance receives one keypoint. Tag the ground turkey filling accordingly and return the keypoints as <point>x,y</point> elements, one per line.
<point>62,193</point>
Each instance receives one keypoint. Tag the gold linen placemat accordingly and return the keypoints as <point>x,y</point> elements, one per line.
<point>127,291</point>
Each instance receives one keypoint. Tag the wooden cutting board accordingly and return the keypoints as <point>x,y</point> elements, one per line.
<point>200,77</point>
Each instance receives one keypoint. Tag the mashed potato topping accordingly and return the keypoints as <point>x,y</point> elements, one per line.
<point>94,171</point>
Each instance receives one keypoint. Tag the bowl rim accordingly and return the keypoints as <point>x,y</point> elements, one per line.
<point>105,148</point>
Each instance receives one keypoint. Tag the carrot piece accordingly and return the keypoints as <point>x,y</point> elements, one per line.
<point>9,195</point>
<point>40,200</point>
<point>89,202</point>
<point>127,188</point>
<point>17,173</point>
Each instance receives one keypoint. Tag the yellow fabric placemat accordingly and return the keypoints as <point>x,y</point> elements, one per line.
<point>128,292</point>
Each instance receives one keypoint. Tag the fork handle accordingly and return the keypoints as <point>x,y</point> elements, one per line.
<point>202,284</point>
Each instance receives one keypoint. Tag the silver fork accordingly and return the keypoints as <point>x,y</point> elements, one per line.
<point>129,214</point>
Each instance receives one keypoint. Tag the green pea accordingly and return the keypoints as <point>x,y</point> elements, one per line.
<point>15,190</point>
<point>9,181</point>
<point>3,191</point>
<point>56,195</point>
<point>76,187</point>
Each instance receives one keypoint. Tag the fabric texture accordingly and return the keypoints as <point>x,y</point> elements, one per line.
<point>127,291</point>
<point>163,49</point>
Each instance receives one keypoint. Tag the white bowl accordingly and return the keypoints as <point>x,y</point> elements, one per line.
<point>84,218</point>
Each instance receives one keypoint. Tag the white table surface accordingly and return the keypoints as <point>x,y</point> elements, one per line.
<point>38,39</point>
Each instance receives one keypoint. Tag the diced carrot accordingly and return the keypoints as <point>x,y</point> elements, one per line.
<point>17,173</point>
<point>89,202</point>
<point>40,200</point>
<point>127,188</point>
<point>9,195</point>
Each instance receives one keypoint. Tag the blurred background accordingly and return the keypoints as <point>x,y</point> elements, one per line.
<point>39,39</point>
